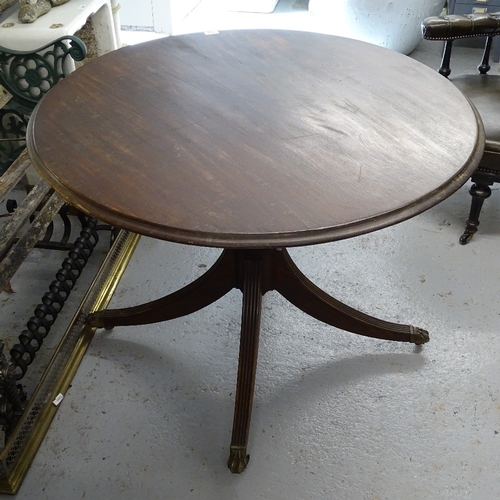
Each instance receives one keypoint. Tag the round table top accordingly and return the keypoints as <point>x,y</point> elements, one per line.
<point>254,138</point>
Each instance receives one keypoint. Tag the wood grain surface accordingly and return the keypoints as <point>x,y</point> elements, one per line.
<point>254,138</point>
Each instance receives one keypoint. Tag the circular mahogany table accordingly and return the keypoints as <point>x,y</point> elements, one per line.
<point>254,141</point>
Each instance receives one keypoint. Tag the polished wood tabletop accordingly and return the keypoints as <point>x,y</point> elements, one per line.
<point>254,138</point>
<point>254,141</point>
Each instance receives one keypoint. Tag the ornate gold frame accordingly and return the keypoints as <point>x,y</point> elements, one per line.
<point>22,446</point>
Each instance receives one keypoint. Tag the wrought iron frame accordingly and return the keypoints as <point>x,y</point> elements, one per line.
<point>28,76</point>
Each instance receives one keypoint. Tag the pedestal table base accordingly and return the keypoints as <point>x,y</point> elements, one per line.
<point>255,272</point>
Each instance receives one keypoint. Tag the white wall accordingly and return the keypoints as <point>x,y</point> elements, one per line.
<point>161,16</point>
<point>180,8</point>
<point>137,14</point>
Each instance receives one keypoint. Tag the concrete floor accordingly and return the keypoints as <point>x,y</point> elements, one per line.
<point>336,415</point>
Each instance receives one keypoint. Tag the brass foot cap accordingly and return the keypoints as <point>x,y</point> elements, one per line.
<point>95,320</point>
<point>238,459</point>
<point>419,336</point>
<point>466,237</point>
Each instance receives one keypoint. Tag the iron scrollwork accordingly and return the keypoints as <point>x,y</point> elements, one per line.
<point>28,76</point>
<point>13,125</point>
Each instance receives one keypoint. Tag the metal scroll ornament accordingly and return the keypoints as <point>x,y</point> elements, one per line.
<point>29,76</point>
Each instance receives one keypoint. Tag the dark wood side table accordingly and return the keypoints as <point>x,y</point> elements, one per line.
<point>254,141</point>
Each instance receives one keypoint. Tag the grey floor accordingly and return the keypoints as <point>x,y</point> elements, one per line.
<point>336,416</point>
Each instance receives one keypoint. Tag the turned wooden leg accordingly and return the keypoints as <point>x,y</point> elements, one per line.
<point>249,345</point>
<point>479,192</point>
<point>290,282</point>
<point>211,286</point>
